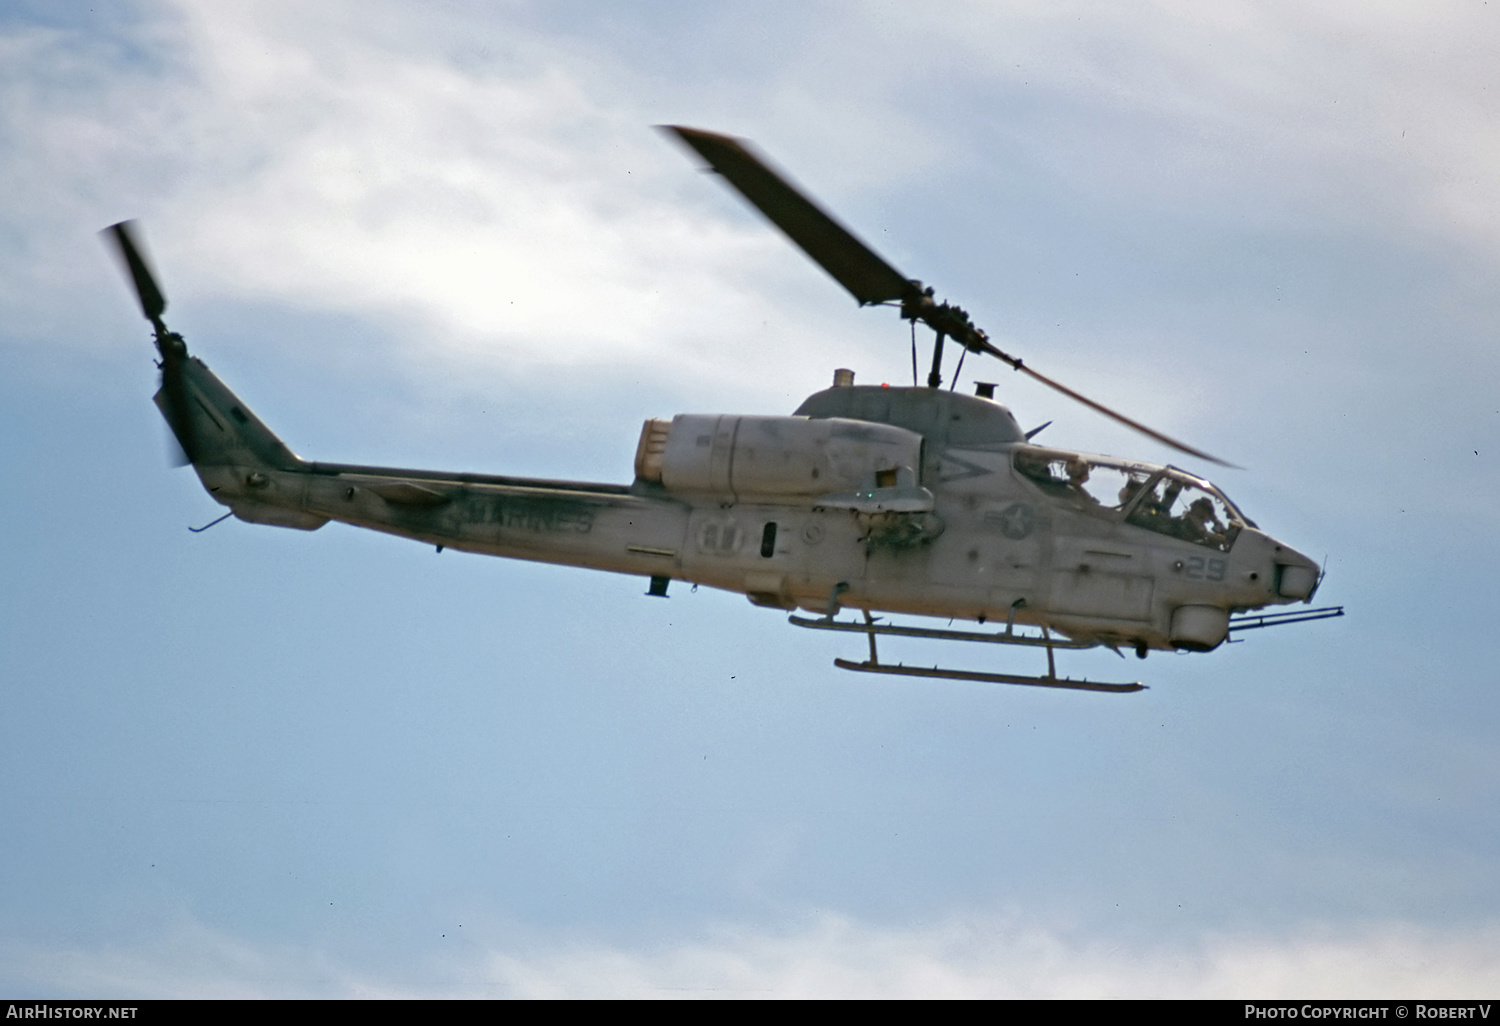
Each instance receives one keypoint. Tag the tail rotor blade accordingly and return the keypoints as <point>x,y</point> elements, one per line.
<point>173,399</point>
<point>176,455</point>
<point>153,303</point>
<point>175,404</point>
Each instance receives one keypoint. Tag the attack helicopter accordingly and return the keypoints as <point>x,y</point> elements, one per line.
<point>916,501</point>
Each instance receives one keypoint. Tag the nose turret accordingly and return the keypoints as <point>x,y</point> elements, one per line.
<point>1264,571</point>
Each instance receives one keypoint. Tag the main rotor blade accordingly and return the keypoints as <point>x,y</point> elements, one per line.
<point>833,247</point>
<point>861,270</point>
<point>979,343</point>
<point>153,303</point>
<point>1116,416</point>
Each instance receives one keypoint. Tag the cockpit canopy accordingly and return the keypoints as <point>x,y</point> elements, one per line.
<point>1161,499</point>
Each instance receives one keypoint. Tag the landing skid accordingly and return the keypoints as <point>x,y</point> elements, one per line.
<point>873,665</point>
<point>989,678</point>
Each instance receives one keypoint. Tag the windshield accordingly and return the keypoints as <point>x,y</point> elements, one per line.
<point>1161,499</point>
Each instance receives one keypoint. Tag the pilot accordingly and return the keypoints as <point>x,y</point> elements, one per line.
<point>1078,475</point>
<point>1201,523</point>
<point>1149,510</point>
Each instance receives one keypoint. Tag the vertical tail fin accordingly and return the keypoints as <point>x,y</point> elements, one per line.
<point>213,425</point>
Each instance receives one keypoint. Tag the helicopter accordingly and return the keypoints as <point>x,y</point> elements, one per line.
<point>915,501</point>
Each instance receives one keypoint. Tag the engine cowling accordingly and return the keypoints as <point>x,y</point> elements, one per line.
<point>766,457</point>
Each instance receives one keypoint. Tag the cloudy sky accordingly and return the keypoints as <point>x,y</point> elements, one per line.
<point>262,762</point>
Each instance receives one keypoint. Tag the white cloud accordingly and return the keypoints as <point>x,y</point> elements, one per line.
<point>1346,110</point>
<point>508,215</point>
<point>838,958</point>
<point>487,193</point>
<point>833,957</point>
<point>492,192</point>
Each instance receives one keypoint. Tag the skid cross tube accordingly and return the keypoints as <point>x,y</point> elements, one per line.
<point>934,634</point>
